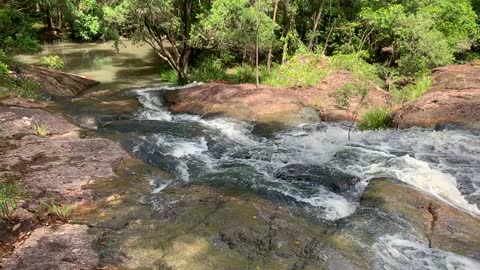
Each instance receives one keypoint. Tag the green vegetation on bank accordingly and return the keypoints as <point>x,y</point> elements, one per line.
<point>392,43</point>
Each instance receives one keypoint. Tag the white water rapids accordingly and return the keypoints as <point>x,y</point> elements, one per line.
<point>445,164</point>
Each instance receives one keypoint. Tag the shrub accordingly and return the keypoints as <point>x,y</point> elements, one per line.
<point>245,74</point>
<point>52,62</point>
<point>169,75</point>
<point>10,194</point>
<point>207,69</point>
<point>375,119</point>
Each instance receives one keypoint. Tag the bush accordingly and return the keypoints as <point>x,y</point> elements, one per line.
<point>375,119</point>
<point>52,62</point>
<point>245,74</point>
<point>207,69</point>
<point>169,75</point>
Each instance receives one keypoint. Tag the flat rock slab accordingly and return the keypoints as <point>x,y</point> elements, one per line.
<point>59,164</point>
<point>269,104</point>
<point>61,247</point>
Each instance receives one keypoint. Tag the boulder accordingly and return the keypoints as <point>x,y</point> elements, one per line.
<point>453,98</point>
<point>269,104</point>
<point>443,225</point>
<point>56,82</point>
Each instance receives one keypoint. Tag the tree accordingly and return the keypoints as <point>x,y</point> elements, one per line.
<point>165,25</point>
<point>232,25</point>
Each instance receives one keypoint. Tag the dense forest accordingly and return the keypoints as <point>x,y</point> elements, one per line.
<point>395,42</point>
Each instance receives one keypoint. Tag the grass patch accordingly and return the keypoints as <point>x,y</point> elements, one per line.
<point>10,194</point>
<point>413,91</point>
<point>375,119</point>
<point>40,130</point>
<point>302,70</point>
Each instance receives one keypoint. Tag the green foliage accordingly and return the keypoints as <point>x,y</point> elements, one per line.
<point>62,212</point>
<point>10,194</point>
<point>17,33</point>
<point>355,63</point>
<point>52,62</point>
<point>233,25</point>
<point>86,24</point>
<point>25,88</point>
<point>245,73</point>
<point>207,69</point>
<point>375,119</point>
<point>412,91</point>
<point>347,91</point>
<point>169,75</point>
<point>300,71</point>
<point>418,35</point>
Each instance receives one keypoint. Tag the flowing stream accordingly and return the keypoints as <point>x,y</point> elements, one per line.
<point>313,167</point>
<point>289,166</point>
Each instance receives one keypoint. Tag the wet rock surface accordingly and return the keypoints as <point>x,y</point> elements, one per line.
<point>198,227</point>
<point>454,98</point>
<point>268,104</point>
<point>312,175</point>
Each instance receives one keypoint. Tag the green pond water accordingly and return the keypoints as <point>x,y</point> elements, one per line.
<point>130,66</point>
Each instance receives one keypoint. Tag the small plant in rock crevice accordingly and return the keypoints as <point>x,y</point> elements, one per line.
<point>61,212</point>
<point>40,129</point>
<point>10,194</point>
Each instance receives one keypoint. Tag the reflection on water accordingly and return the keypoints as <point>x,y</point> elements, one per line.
<point>131,66</point>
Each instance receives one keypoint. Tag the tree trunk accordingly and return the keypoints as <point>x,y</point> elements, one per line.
<point>257,73</point>
<point>316,21</point>
<point>48,19</point>
<point>274,19</point>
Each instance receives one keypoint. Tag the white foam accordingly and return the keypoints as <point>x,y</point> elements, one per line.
<point>396,252</point>
<point>420,175</point>
<point>189,148</point>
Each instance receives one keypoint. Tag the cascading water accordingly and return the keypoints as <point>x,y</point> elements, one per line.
<point>296,167</point>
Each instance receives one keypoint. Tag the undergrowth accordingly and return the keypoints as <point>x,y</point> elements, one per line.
<point>412,91</point>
